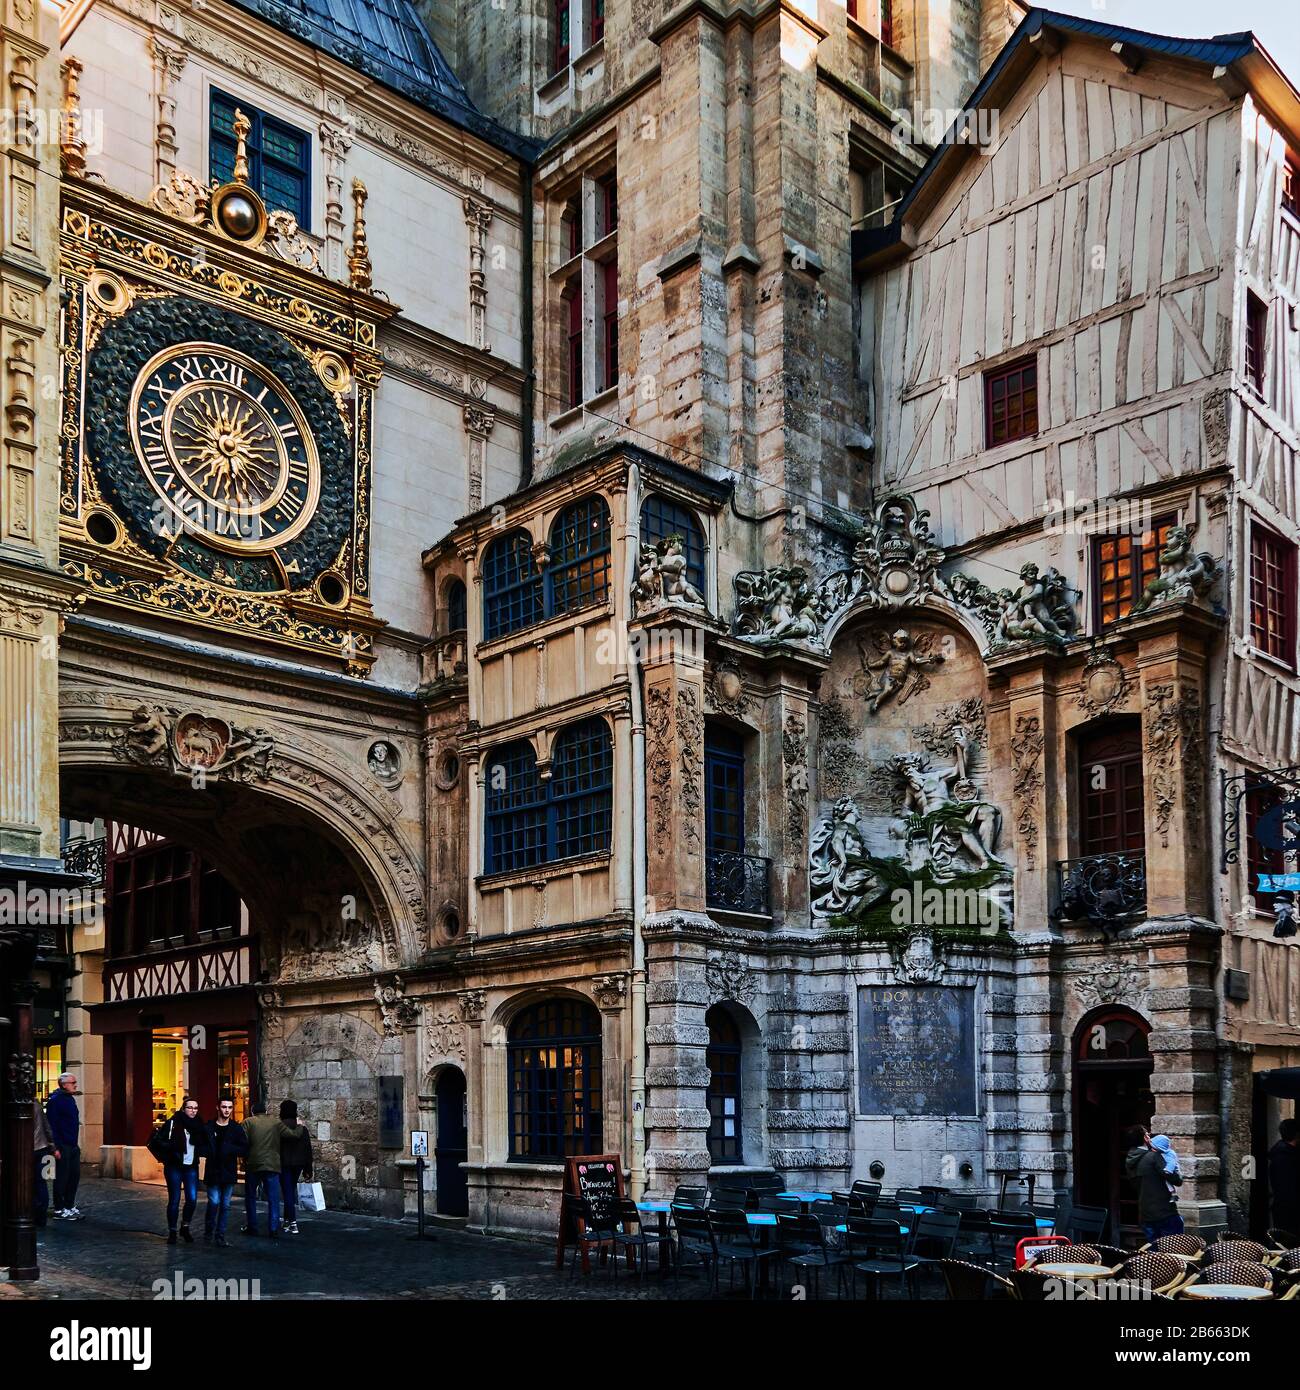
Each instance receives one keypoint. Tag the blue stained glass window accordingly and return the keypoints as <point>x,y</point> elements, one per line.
<point>279,156</point>
<point>660,518</point>
<point>512,586</point>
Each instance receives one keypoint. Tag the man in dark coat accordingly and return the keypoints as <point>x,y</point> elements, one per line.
<point>1284,1177</point>
<point>1157,1210</point>
<point>227,1144</point>
<point>295,1162</point>
<point>65,1128</point>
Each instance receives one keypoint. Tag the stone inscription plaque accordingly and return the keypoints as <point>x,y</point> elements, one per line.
<point>916,1051</point>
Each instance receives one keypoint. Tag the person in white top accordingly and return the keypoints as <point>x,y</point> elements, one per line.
<point>185,1141</point>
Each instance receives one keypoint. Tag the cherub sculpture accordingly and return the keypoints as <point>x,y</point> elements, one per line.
<point>147,735</point>
<point>897,671</point>
<point>1040,608</point>
<point>1184,575</point>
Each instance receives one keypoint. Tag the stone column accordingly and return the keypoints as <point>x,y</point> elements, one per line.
<point>677,1074</point>
<point>674,718</point>
<point>478,217</point>
<point>1183,1005</point>
<point>1028,1118</point>
<point>472,1006</point>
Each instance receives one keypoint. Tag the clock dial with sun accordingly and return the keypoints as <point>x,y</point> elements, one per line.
<point>225,446</point>
<point>221,449</point>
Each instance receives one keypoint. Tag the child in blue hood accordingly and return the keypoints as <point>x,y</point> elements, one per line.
<point>1161,1143</point>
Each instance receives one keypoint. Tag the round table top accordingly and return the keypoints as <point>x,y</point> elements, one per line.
<point>1224,1291</point>
<point>1074,1271</point>
<point>768,1218</point>
<point>654,1206</point>
<point>807,1196</point>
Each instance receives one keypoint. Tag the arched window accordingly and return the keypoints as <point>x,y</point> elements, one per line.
<point>555,1087</point>
<point>578,575</point>
<point>515,810</point>
<point>512,587</point>
<point>581,789</point>
<point>456,617</point>
<point>660,518</point>
<point>723,1094</point>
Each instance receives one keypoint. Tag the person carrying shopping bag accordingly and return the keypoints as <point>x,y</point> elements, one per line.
<point>295,1162</point>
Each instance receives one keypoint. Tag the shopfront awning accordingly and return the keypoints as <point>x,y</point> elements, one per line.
<point>213,1008</point>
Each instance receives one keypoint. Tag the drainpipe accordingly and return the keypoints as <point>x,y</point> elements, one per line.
<point>526,330</point>
<point>630,545</point>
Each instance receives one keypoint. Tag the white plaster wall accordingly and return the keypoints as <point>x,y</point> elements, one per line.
<point>117,100</point>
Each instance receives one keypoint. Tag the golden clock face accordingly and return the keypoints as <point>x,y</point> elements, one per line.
<point>225,446</point>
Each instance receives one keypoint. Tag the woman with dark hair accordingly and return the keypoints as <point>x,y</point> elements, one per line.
<point>183,1141</point>
<point>295,1162</point>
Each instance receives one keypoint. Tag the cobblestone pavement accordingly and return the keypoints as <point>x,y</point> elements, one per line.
<point>119,1251</point>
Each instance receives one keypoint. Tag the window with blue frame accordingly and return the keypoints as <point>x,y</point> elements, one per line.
<point>279,156</point>
<point>724,792</point>
<point>529,821</point>
<point>553,1051</point>
<point>512,586</point>
<point>661,518</point>
<point>578,574</point>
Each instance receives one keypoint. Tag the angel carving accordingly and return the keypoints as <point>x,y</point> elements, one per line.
<point>897,669</point>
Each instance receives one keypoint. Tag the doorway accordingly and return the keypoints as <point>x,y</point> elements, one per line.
<point>1112,1091</point>
<point>451,1145</point>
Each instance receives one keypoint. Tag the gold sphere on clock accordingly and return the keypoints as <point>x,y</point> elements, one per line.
<point>225,446</point>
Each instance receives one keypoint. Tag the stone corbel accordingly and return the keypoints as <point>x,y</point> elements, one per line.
<point>169,61</point>
<point>478,218</point>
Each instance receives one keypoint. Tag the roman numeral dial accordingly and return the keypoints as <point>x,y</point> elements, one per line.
<point>226,448</point>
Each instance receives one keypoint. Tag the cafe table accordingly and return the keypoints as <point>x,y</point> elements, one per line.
<point>1243,1291</point>
<point>1071,1270</point>
<point>660,1210</point>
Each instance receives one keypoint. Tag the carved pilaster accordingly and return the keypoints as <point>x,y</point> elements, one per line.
<point>478,217</point>
<point>169,61</point>
<point>335,142</point>
<point>675,787</point>
<point>359,270</point>
<point>479,420</point>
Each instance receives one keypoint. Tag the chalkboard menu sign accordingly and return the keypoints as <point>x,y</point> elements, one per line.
<point>916,1051</point>
<point>596,1179</point>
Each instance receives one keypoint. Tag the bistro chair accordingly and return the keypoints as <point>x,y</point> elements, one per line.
<point>1232,1272</point>
<point>1289,1260</point>
<point>934,1236</point>
<point>1290,1295</point>
<point>973,1231</point>
<point>885,1248</point>
<point>632,1236</point>
<point>1037,1285</point>
<point>801,1241</point>
<point>1186,1247</point>
<point>692,1196</point>
<point>1163,1273</point>
<point>733,1239</point>
<point>769,1183</point>
<point>727,1199</point>
<point>694,1241</point>
<point>1119,1290</point>
<point>1235,1248</point>
<point>1283,1240</point>
<point>910,1197</point>
<point>601,1230</point>
<point>967,1201</point>
<point>968,1283</point>
<point>1086,1223</point>
<point>865,1189</point>
<point>789,1205</point>
<point>1068,1255</point>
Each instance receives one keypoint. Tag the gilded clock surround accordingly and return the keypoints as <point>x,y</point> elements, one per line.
<point>224,476</point>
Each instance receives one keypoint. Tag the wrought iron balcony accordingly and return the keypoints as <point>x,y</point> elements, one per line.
<point>86,857</point>
<point>1103,887</point>
<point>736,882</point>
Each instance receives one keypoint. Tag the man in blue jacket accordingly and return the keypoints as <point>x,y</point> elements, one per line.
<point>65,1128</point>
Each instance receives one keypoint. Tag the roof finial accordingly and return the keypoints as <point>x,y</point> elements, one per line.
<point>72,148</point>
<point>242,126</point>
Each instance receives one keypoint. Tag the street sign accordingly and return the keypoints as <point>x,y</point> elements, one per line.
<point>419,1143</point>
<point>1279,883</point>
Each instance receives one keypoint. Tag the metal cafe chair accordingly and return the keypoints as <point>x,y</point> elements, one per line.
<point>887,1257</point>
<point>910,1197</point>
<point>865,1189</point>
<point>727,1199</point>
<point>735,1242</point>
<point>694,1196</point>
<point>970,1283</point>
<point>1086,1223</point>
<point>934,1237</point>
<point>1010,1226</point>
<point>788,1205</point>
<point>631,1235</point>
<point>601,1229</point>
<point>933,1196</point>
<point>694,1241</point>
<point>801,1242</point>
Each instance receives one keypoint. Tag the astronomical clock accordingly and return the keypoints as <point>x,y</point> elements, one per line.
<point>217,408</point>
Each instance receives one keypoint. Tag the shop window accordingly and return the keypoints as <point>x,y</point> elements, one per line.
<point>578,574</point>
<point>279,156</point>
<point>530,821</point>
<point>661,518</point>
<point>1272,595</point>
<point>554,1054</point>
<point>168,1073</point>
<point>49,1065</point>
<point>233,1072</point>
<point>1110,778</point>
<point>1121,567</point>
<point>723,1057</point>
<point>512,586</point>
<point>1011,402</point>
